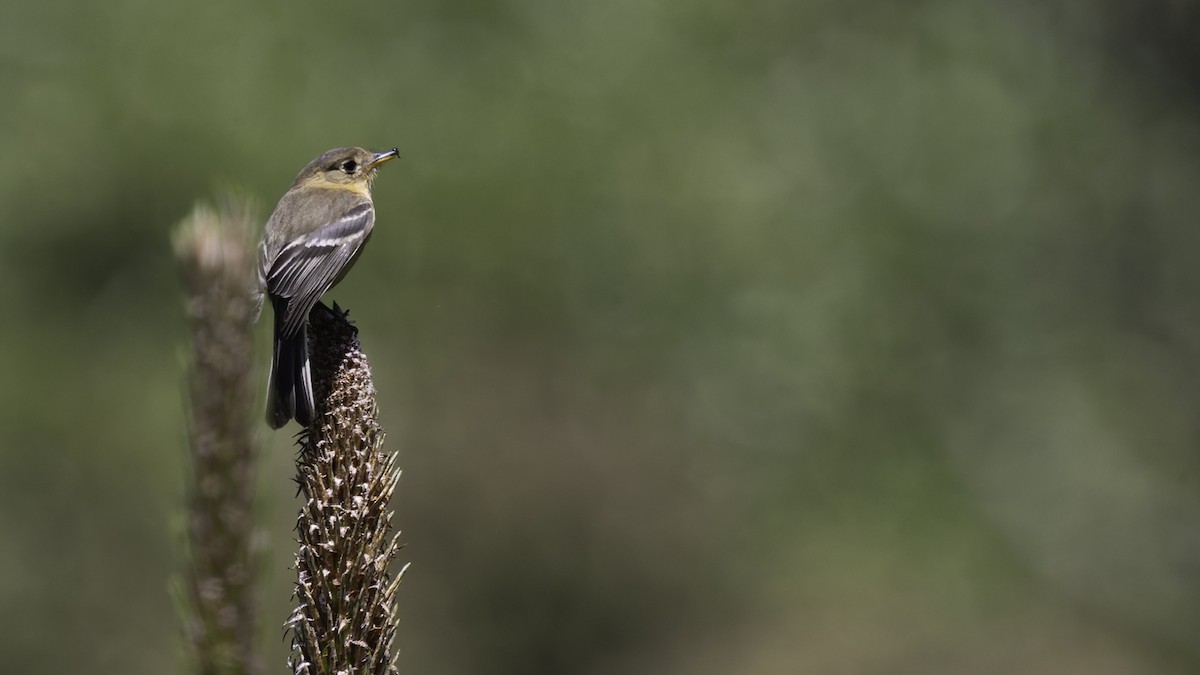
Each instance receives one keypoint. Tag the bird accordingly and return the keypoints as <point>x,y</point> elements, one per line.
<point>312,239</point>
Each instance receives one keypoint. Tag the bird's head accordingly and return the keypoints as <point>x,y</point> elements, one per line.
<point>345,168</point>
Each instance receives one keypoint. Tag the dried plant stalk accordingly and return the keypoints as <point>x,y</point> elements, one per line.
<point>345,620</point>
<point>216,250</point>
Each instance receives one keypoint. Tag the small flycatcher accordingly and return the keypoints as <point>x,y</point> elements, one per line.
<point>312,239</point>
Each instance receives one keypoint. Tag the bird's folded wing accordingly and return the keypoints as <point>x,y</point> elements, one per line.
<point>308,266</point>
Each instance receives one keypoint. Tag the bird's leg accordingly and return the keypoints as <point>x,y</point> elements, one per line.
<point>336,314</point>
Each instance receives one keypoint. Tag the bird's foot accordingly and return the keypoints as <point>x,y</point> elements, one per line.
<point>336,314</point>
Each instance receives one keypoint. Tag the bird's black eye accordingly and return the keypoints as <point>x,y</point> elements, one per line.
<point>349,166</point>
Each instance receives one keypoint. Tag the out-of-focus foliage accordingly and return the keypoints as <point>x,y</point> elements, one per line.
<point>757,337</point>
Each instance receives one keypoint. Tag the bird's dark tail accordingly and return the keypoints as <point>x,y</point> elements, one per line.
<point>289,392</point>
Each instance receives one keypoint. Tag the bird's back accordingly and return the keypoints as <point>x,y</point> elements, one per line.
<point>301,212</point>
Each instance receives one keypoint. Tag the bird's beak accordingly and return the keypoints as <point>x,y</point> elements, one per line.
<point>381,157</point>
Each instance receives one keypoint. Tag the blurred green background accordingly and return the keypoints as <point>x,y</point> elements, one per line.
<point>764,337</point>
